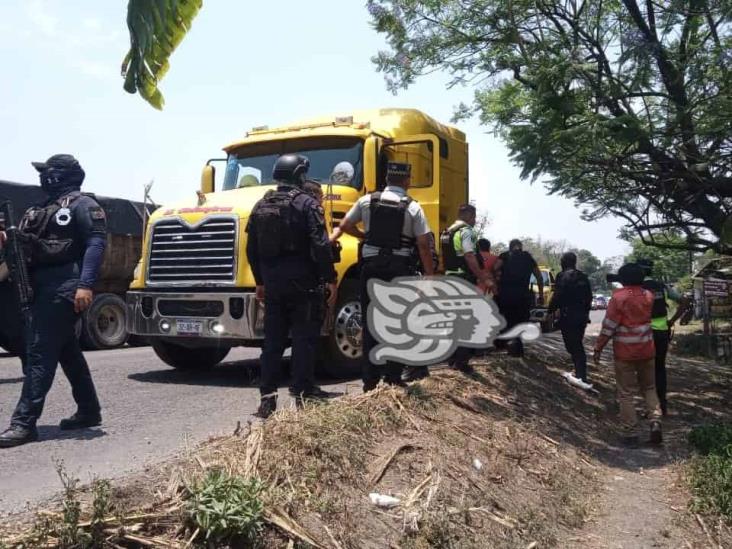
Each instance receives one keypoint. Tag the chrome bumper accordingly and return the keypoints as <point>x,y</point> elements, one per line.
<point>145,319</point>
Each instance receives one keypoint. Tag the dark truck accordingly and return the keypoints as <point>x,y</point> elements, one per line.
<point>104,324</point>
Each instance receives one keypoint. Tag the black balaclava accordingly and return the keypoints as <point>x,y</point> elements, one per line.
<point>60,175</point>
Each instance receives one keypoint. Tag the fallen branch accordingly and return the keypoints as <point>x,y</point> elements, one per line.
<point>704,527</point>
<point>376,477</point>
<point>464,404</point>
<point>283,521</point>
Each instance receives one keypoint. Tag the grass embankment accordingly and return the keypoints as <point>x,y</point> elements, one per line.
<point>710,473</point>
<point>467,466</point>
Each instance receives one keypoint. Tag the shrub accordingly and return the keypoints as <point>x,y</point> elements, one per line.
<point>226,508</point>
<point>711,473</point>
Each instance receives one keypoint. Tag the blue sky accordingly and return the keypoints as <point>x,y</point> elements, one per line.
<point>243,64</point>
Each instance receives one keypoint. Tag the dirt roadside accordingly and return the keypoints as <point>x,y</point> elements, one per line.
<point>551,475</point>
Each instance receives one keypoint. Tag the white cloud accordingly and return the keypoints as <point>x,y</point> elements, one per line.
<point>40,16</point>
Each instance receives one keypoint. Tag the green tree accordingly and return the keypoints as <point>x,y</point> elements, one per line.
<point>587,262</point>
<point>156,28</point>
<point>668,265</point>
<point>623,106</point>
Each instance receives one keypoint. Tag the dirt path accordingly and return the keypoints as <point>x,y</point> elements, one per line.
<point>642,502</point>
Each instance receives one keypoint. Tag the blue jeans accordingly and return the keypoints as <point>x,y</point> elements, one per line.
<point>51,339</point>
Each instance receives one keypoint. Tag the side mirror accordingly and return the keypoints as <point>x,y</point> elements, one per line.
<point>208,176</point>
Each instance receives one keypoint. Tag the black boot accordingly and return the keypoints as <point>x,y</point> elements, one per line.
<point>17,435</point>
<point>267,406</point>
<point>80,421</point>
<point>656,432</point>
<point>414,373</point>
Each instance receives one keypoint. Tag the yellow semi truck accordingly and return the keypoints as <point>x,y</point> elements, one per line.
<point>193,292</point>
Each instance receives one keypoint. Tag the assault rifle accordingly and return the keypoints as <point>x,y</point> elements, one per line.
<point>16,262</point>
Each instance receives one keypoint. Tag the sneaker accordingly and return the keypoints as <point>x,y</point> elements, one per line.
<point>17,435</point>
<point>415,373</point>
<point>656,432</point>
<point>267,407</point>
<point>80,421</point>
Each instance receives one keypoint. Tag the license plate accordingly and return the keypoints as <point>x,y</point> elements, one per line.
<point>189,327</point>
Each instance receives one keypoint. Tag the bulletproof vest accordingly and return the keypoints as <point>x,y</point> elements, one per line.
<point>52,232</point>
<point>450,259</point>
<point>660,308</point>
<point>386,223</point>
<point>278,230</point>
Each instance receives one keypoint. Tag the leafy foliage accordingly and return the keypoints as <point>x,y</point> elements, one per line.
<point>226,507</point>
<point>711,475</point>
<point>669,265</point>
<point>626,108</point>
<point>156,28</point>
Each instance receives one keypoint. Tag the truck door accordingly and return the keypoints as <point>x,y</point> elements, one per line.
<point>422,153</point>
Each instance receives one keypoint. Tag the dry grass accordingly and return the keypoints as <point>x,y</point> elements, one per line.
<point>318,466</point>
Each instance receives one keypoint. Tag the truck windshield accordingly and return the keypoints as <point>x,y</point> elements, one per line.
<point>338,160</point>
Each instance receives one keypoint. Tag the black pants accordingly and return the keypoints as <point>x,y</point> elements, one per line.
<point>514,305</point>
<point>384,268</point>
<point>573,336</point>
<point>297,312</point>
<point>52,339</point>
<point>661,339</point>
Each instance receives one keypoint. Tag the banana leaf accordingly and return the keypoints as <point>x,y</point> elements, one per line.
<point>156,28</point>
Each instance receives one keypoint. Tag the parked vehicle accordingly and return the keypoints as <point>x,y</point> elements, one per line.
<point>599,302</point>
<point>541,314</point>
<point>193,293</point>
<point>104,323</point>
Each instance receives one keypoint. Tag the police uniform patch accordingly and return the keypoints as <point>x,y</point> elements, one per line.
<point>97,213</point>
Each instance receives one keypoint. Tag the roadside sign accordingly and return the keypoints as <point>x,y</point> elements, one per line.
<point>716,288</point>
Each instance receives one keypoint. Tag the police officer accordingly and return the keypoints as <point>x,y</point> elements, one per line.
<point>461,258</point>
<point>66,238</point>
<point>393,224</point>
<point>573,298</point>
<point>661,325</point>
<point>291,259</point>
<point>514,293</point>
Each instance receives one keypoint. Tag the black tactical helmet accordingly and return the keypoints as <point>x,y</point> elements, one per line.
<point>60,171</point>
<point>291,168</point>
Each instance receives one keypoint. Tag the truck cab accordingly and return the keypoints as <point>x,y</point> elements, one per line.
<point>193,292</point>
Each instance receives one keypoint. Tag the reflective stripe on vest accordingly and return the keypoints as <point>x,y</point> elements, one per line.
<point>634,339</point>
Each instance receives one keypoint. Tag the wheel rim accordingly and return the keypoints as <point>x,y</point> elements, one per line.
<point>110,324</point>
<point>347,330</point>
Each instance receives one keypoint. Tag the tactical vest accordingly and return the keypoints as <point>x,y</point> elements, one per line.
<point>660,308</point>
<point>386,223</point>
<point>278,232</point>
<point>450,259</point>
<point>52,233</point>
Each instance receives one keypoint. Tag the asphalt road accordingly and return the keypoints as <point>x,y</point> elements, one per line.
<point>150,412</point>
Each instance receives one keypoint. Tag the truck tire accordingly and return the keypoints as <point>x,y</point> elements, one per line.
<point>185,358</point>
<point>105,323</point>
<point>341,353</point>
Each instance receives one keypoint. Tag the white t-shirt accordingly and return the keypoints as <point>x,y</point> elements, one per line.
<point>415,222</point>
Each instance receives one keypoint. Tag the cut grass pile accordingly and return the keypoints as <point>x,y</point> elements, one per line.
<point>467,467</point>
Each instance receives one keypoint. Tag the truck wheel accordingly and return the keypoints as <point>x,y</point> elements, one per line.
<point>185,358</point>
<point>342,350</point>
<point>105,323</point>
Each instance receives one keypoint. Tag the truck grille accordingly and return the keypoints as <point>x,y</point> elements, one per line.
<point>201,254</point>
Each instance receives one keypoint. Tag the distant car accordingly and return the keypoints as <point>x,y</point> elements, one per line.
<point>599,302</point>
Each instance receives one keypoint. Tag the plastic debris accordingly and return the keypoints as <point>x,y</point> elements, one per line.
<point>381,500</point>
<point>477,464</point>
